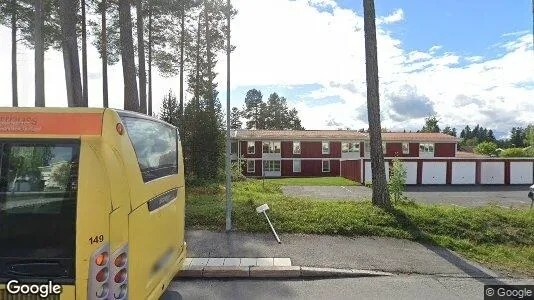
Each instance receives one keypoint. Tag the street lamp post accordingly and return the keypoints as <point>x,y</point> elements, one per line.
<point>228,145</point>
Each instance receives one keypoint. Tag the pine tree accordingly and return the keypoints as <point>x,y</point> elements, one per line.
<point>235,122</point>
<point>380,195</point>
<point>169,109</point>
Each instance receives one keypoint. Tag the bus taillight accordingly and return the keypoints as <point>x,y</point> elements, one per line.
<point>121,276</point>
<point>99,269</point>
<point>120,261</point>
<point>101,259</point>
<point>102,275</point>
<point>119,285</point>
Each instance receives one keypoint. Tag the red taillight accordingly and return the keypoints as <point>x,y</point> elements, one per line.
<point>102,275</point>
<point>119,273</point>
<point>101,259</point>
<point>120,261</point>
<point>121,276</point>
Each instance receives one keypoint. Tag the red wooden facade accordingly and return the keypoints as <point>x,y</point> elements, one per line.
<point>341,164</point>
<point>351,169</point>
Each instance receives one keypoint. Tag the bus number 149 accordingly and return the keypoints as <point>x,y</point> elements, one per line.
<point>97,239</point>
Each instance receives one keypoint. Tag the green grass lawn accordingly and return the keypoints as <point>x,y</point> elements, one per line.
<point>313,181</point>
<point>500,238</point>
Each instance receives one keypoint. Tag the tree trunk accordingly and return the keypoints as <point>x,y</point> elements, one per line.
<point>104,55</point>
<point>211,104</point>
<point>85,91</point>
<point>141,55</point>
<point>70,53</point>
<point>39,54</point>
<point>182,37</point>
<point>149,58</point>
<point>131,95</point>
<point>68,79</point>
<point>380,190</point>
<point>228,145</point>
<point>14,84</point>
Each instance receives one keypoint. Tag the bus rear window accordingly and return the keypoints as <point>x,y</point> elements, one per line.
<point>155,145</point>
<point>38,189</point>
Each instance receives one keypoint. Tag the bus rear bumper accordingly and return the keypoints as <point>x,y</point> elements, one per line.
<point>174,268</point>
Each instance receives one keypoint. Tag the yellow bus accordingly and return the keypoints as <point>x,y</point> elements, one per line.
<point>92,204</point>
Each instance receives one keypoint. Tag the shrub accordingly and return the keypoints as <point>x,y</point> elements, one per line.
<point>513,152</point>
<point>397,180</point>
<point>486,148</point>
<point>237,171</point>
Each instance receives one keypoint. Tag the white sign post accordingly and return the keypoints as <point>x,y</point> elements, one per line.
<point>263,209</point>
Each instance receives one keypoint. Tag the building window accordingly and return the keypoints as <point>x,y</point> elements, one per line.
<point>296,166</point>
<point>348,147</point>
<point>251,166</point>
<point>326,147</point>
<point>405,148</point>
<point>326,166</point>
<point>271,166</point>
<point>251,148</point>
<point>233,148</point>
<point>367,147</point>
<point>271,147</point>
<point>296,147</point>
<point>426,148</point>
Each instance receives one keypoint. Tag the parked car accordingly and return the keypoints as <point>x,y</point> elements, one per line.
<point>531,192</point>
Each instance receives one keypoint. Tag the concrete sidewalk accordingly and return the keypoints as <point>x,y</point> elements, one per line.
<point>337,252</point>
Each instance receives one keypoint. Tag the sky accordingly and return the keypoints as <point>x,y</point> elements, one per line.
<point>465,62</point>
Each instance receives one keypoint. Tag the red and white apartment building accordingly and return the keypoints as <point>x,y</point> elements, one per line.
<point>429,158</point>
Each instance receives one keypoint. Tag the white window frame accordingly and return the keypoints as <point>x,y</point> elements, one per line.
<point>300,149</point>
<point>322,147</point>
<point>253,166</point>
<point>424,148</point>
<point>235,149</point>
<point>384,147</point>
<point>271,166</point>
<point>253,147</point>
<point>407,148</point>
<point>299,164</point>
<point>272,149</point>
<point>322,166</point>
<point>351,147</point>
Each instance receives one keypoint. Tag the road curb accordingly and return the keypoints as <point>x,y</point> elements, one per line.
<point>273,272</point>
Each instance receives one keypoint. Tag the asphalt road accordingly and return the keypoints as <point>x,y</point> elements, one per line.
<point>393,287</point>
<point>467,196</point>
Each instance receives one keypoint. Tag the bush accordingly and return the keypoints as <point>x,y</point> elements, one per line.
<point>237,171</point>
<point>513,152</point>
<point>397,180</point>
<point>486,148</point>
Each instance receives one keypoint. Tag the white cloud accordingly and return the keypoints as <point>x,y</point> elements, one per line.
<point>308,44</point>
<point>434,49</point>
<point>474,59</point>
<point>516,33</point>
<point>396,16</point>
<point>335,54</point>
